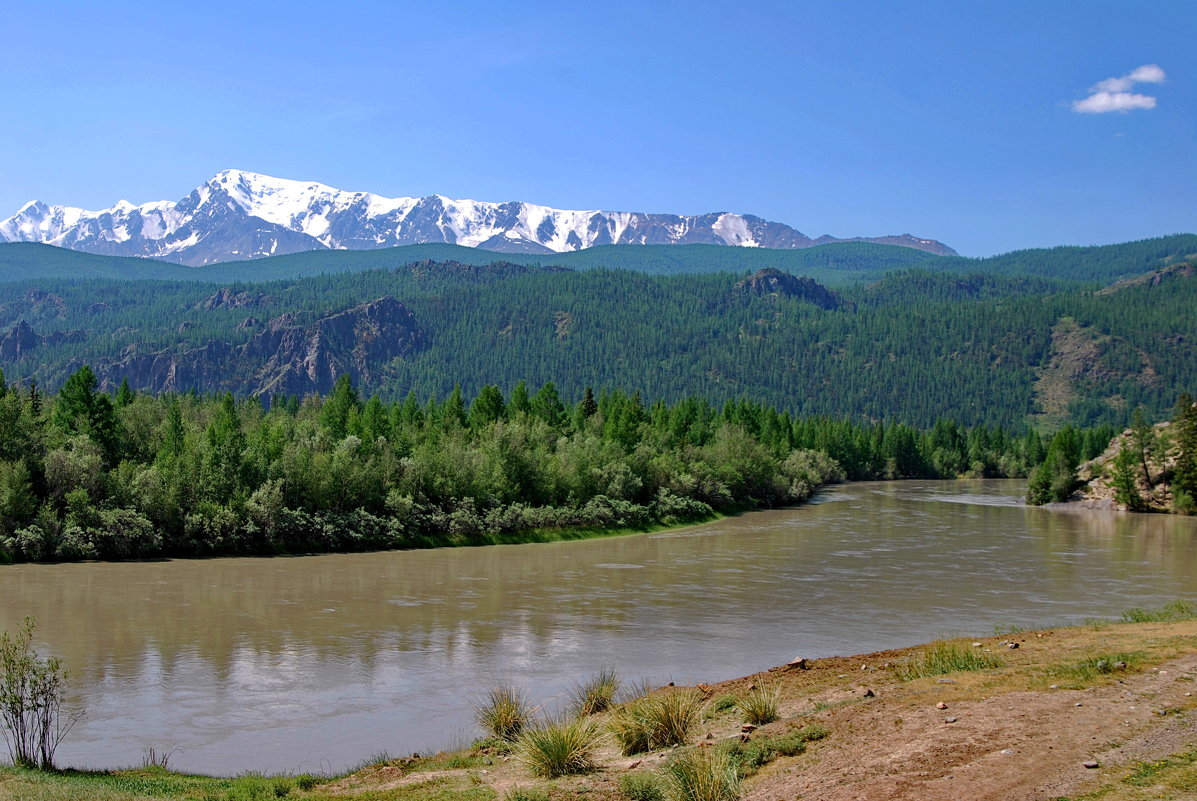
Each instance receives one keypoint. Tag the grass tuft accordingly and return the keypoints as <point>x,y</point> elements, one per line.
<point>946,657</point>
<point>503,713</point>
<point>559,749</point>
<point>658,720</point>
<point>702,774</point>
<point>596,695</point>
<point>527,794</point>
<point>761,705</point>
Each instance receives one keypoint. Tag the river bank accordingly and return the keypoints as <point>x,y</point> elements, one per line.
<point>1061,700</point>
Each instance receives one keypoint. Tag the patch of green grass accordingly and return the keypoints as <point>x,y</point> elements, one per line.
<point>642,786</point>
<point>657,720</point>
<point>503,713</point>
<point>723,703</point>
<point>139,784</point>
<point>749,757</point>
<point>701,774</point>
<point>559,749</point>
<point>760,706</point>
<point>1173,777</point>
<point>527,794</point>
<point>1092,668</point>
<point>946,657</point>
<point>596,695</point>
<point>1177,610</point>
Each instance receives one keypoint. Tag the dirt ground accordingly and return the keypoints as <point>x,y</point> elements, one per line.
<point>1027,730</point>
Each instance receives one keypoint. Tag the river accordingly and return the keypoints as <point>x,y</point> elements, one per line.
<point>313,663</point>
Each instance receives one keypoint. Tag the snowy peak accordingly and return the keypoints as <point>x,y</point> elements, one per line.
<point>239,214</point>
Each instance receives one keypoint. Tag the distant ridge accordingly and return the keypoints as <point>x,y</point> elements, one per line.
<point>239,215</point>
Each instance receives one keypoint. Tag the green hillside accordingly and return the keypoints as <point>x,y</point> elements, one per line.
<point>915,346</point>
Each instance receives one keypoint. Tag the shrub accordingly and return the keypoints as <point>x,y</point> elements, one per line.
<point>702,774</point>
<point>306,781</point>
<point>760,706</point>
<point>595,695</point>
<point>656,721</point>
<point>945,657</point>
<point>642,786</point>
<point>31,694</point>
<point>559,749</point>
<point>503,713</point>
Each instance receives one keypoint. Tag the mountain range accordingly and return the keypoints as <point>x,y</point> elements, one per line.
<point>240,215</point>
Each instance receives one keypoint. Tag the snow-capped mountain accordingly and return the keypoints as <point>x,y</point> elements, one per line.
<point>243,215</point>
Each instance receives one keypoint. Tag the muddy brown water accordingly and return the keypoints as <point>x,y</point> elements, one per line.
<point>314,663</point>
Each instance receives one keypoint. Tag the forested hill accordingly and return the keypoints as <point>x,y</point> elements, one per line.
<point>838,264</point>
<point>915,346</point>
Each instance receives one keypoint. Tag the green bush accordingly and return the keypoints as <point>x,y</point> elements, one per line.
<point>559,749</point>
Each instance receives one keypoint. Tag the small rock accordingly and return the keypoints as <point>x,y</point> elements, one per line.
<point>797,663</point>
<point>752,686</point>
<point>941,705</point>
<point>1013,645</point>
<point>670,684</point>
<point>635,764</point>
<point>1187,695</point>
<point>947,681</point>
<point>1078,703</point>
<point>865,667</point>
<point>1054,687</point>
<point>949,720</point>
<point>748,728</point>
<point>1091,763</point>
<point>1007,751</point>
<point>976,645</point>
<point>870,694</point>
<point>710,736</point>
<point>1120,665</point>
<point>1163,713</point>
<point>706,744</point>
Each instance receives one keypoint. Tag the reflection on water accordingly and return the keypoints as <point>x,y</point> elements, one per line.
<point>310,663</point>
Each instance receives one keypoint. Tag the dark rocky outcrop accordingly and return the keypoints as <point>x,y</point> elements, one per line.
<point>225,298</point>
<point>22,340</point>
<point>772,282</point>
<point>288,355</point>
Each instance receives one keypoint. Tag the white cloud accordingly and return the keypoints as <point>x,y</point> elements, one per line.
<point>1113,94</point>
<point>1104,102</point>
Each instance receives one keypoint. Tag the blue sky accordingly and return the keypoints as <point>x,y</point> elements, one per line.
<point>953,120</point>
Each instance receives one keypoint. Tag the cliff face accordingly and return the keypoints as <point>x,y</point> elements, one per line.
<point>287,356</point>
<point>773,282</point>
<point>22,340</point>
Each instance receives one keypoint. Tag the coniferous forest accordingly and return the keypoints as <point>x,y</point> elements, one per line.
<point>85,474</point>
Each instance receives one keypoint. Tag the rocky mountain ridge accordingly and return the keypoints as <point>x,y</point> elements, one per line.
<point>240,215</point>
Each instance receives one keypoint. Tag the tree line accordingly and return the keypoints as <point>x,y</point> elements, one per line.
<point>85,474</point>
